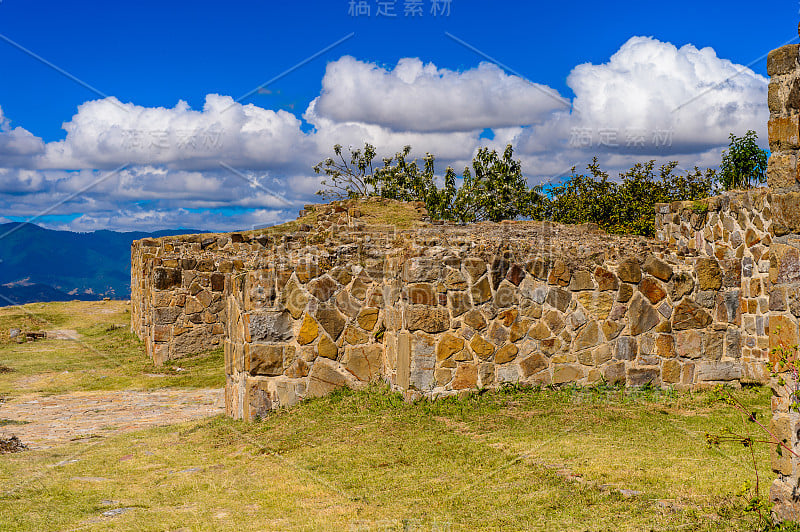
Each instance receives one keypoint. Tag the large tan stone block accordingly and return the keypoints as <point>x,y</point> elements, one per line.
<point>505,354</point>
<point>466,377</point>
<point>481,291</point>
<point>786,215</point>
<point>309,331</point>
<point>780,426</point>
<point>782,60</point>
<point>481,347</point>
<point>428,319</point>
<point>709,274</point>
<point>642,316</point>
<point>783,333</point>
<point>564,373</point>
<point>448,345</point>
<point>263,359</point>
<point>782,170</point>
<point>689,315</point>
<point>403,359</point>
<point>364,361</point>
<point>326,375</point>
<point>784,133</point>
<point>367,318</point>
<point>533,364</point>
<point>598,304</point>
<point>257,399</point>
<point>326,348</point>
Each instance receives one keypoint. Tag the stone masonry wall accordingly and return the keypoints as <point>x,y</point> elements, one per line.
<point>177,284</point>
<point>442,310</point>
<point>784,272</point>
<point>727,239</point>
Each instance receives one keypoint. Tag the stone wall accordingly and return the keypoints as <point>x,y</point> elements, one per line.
<point>177,290</point>
<point>784,270</point>
<point>727,239</point>
<point>443,309</point>
<point>439,309</point>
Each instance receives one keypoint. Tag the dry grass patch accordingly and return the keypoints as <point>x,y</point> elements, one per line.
<point>106,355</point>
<point>515,459</point>
<point>511,460</point>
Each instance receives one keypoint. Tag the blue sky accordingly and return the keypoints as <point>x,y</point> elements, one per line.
<point>151,55</point>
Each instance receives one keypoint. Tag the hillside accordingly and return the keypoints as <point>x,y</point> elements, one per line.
<point>38,264</point>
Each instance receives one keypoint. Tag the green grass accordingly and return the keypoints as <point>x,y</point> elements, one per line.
<point>514,459</point>
<point>369,461</point>
<point>107,356</point>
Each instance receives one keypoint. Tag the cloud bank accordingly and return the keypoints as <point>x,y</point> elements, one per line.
<point>231,165</point>
<point>421,97</point>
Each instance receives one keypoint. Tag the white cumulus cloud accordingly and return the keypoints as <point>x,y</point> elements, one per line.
<point>421,97</point>
<point>680,100</point>
<point>651,99</point>
<point>17,145</point>
<point>106,133</point>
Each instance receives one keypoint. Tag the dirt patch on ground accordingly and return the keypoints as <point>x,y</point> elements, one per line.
<point>63,334</point>
<point>53,420</point>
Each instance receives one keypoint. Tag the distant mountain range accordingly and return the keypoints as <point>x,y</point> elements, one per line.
<point>38,264</point>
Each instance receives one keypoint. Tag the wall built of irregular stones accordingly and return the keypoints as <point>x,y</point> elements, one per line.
<point>441,310</point>
<point>783,65</point>
<point>727,239</point>
<point>177,290</point>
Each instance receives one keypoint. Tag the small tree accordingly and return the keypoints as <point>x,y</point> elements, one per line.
<point>403,180</point>
<point>348,180</point>
<point>744,164</point>
<point>495,189</point>
<point>583,198</point>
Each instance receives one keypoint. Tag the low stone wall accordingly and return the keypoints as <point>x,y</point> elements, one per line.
<point>730,237</point>
<point>444,309</point>
<point>177,290</point>
<point>178,283</point>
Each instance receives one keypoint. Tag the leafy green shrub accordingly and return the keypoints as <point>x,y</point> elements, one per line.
<point>744,164</point>
<point>626,206</point>
<point>494,189</point>
<point>348,180</point>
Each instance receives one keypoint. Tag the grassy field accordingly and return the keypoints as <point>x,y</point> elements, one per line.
<point>106,355</point>
<point>515,459</point>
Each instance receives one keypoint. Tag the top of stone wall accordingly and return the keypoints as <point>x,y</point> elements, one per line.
<point>779,210</point>
<point>372,211</point>
<point>388,226</point>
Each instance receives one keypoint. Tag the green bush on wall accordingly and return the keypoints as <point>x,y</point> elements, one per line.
<point>494,188</point>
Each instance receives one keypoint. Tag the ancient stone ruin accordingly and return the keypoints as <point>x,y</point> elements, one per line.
<point>433,310</point>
